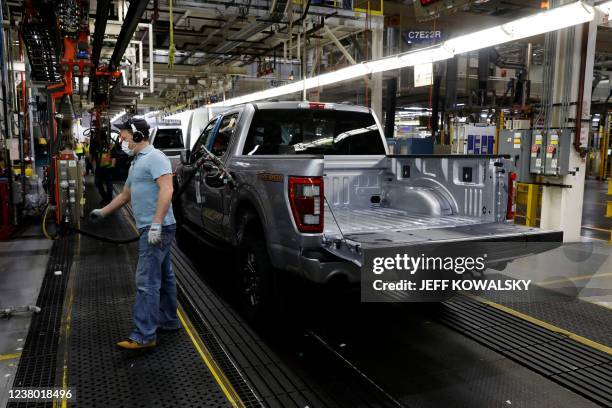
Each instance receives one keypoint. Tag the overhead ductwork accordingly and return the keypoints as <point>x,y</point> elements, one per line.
<point>275,15</point>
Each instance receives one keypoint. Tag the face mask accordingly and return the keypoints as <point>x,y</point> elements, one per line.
<point>125,146</point>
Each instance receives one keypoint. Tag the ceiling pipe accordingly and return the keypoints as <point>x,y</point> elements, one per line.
<point>100,28</point>
<point>276,13</point>
<point>101,19</point>
<point>130,23</point>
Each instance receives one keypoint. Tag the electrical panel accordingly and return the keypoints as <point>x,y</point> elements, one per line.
<point>558,145</point>
<point>473,139</point>
<point>536,162</point>
<point>549,155</point>
<point>517,144</point>
<point>517,124</point>
<point>70,192</point>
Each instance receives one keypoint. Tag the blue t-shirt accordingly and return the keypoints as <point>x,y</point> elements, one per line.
<point>148,165</point>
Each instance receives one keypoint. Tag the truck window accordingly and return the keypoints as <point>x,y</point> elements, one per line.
<point>168,139</point>
<point>204,136</point>
<point>304,131</point>
<point>219,142</point>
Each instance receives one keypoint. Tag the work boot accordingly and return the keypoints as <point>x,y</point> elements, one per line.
<point>129,344</point>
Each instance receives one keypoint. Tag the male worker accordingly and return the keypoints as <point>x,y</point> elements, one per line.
<point>149,188</point>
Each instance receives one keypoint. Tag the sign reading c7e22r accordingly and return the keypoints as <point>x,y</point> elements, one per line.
<point>422,36</point>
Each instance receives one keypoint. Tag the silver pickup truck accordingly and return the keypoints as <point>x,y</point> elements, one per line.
<point>309,188</point>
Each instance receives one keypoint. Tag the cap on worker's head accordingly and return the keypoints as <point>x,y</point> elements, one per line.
<point>132,124</point>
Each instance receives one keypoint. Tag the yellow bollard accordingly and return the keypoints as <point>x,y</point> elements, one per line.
<point>609,203</point>
<point>532,205</point>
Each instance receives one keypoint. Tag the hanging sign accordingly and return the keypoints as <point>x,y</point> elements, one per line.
<point>423,74</point>
<point>422,36</point>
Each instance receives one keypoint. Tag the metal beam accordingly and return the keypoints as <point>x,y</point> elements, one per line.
<point>198,71</point>
<point>132,18</point>
<point>338,44</point>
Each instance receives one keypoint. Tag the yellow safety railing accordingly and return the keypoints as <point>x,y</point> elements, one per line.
<point>373,7</point>
<point>529,198</point>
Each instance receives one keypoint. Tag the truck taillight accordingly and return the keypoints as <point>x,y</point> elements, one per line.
<point>306,200</point>
<point>511,209</point>
<point>314,105</point>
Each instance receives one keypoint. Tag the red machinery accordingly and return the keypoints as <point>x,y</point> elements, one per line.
<point>6,226</point>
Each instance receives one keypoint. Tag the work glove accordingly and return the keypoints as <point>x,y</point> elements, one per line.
<point>155,234</point>
<point>96,215</point>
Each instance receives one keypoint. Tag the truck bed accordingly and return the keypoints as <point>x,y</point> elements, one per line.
<point>379,219</point>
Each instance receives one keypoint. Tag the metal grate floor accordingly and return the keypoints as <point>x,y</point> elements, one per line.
<point>171,375</point>
<point>38,362</point>
<point>582,369</point>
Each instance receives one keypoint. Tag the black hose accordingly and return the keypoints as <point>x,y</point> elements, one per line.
<point>106,239</point>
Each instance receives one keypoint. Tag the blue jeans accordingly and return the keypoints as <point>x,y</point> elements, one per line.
<point>155,305</point>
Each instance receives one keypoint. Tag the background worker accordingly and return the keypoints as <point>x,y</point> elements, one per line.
<point>149,188</point>
<point>103,165</point>
<point>86,152</point>
<point>78,148</point>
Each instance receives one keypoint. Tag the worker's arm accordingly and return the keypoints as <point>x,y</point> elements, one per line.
<point>164,199</point>
<point>119,201</point>
<point>113,162</point>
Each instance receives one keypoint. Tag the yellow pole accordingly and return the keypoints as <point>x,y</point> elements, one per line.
<point>531,212</point>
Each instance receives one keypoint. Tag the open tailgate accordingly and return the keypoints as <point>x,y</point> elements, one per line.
<point>500,242</point>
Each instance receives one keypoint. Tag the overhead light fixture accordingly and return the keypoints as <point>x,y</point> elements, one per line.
<point>539,23</point>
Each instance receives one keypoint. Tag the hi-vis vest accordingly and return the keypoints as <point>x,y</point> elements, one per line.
<point>104,159</point>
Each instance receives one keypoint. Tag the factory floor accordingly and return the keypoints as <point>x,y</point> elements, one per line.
<point>23,261</point>
<point>549,348</point>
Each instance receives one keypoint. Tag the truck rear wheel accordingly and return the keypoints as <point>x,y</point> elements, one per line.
<point>256,277</point>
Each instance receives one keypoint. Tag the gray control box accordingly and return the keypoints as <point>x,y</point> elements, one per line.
<point>537,152</point>
<point>517,144</point>
<point>556,154</point>
<point>70,191</point>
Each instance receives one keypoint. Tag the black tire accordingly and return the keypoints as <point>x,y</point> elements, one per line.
<point>256,278</point>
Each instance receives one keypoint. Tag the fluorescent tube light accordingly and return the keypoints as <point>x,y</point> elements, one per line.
<point>477,40</point>
<point>550,20</point>
<point>427,55</point>
<point>539,23</point>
